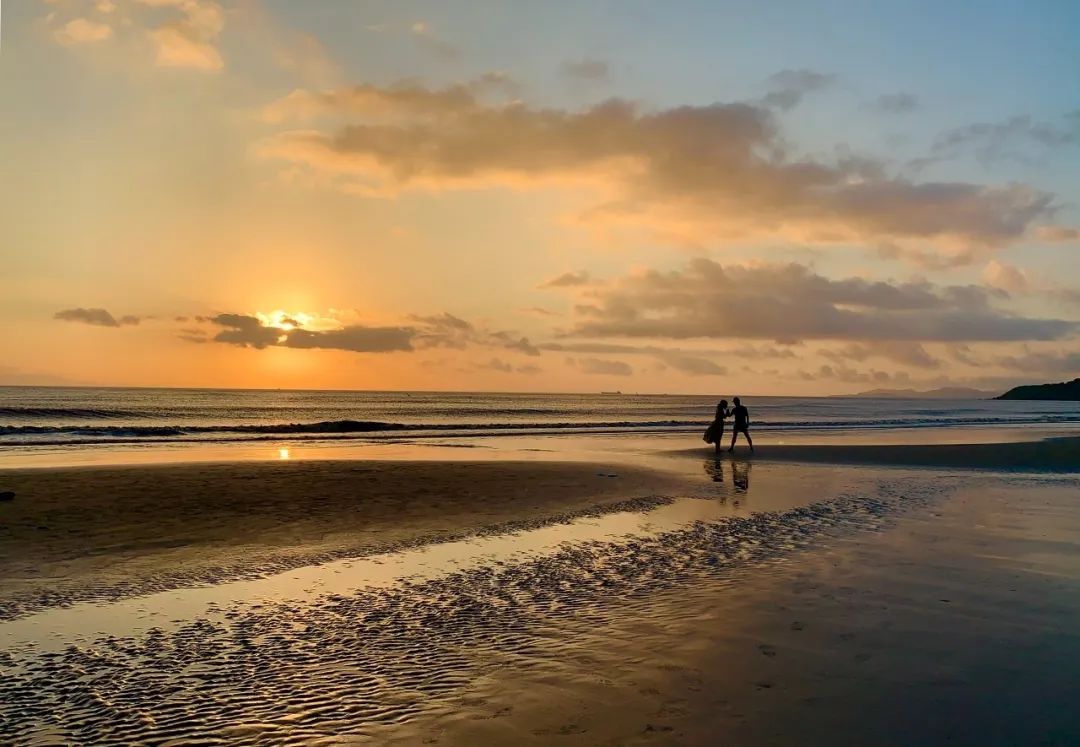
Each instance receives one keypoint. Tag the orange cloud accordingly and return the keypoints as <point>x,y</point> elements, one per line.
<point>82,31</point>
<point>189,42</point>
<point>185,38</point>
<point>790,302</point>
<point>1058,234</point>
<point>692,174</point>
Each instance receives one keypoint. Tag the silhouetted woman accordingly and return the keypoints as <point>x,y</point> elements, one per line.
<point>714,434</point>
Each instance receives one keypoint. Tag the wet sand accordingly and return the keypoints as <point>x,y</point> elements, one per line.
<point>954,624</point>
<point>108,532</point>
<point>759,601</point>
<point>1061,454</point>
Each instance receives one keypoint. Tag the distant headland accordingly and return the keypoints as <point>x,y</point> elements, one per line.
<point>1068,391</point>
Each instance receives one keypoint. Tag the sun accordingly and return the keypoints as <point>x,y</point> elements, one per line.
<point>285,320</point>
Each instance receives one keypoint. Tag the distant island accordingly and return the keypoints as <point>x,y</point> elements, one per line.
<point>948,392</point>
<point>1068,391</point>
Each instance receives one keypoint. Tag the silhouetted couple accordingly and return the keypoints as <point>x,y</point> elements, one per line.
<point>715,432</point>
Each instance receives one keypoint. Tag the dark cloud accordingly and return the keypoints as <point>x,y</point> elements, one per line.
<point>1051,362</point>
<point>248,331</point>
<point>1068,295</point>
<point>693,365</point>
<point>896,103</point>
<point>439,331</point>
<point>511,342</point>
<point>95,317</point>
<point>1019,138</point>
<point>603,367</point>
<point>587,70</point>
<point>898,351</point>
<point>1058,234</point>
<point>693,362</point>
<point>540,311</point>
<point>449,331</point>
<point>196,338</point>
<point>497,364</point>
<point>789,302</point>
<point>963,354</point>
<point>568,280</point>
<point>850,375</point>
<point>354,338</point>
<point>788,87</point>
<point>686,173</point>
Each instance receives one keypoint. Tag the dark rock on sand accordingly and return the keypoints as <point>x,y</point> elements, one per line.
<point>7,495</point>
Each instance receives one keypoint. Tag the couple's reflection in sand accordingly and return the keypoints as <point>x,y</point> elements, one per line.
<point>740,477</point>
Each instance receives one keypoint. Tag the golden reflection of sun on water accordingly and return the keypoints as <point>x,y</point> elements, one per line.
<point>283,454</point>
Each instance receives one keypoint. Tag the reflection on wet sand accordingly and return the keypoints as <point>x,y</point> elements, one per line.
<point>740,477</point>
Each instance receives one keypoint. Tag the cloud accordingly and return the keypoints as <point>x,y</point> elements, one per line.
<point>850,375</point>
<point>601,367</point>
<point>497,364</point>
<point>185,37</point>
<point>898,351</point>
<point>399,102</point>
<point>694,366</point>
<point>357,339</point>
<point>789,87</point>
<point>1054,362</point>
<point>249,331</point>
<point>1058,234</point>
<point>246,331</point>
<point>512,342</point>
<point>789,302</point>
<point>1018,138</point>
<point>587,70</point>
<point>568,280</point>
<point>448,331</point>
<point>176,47</point>
<point>310,332</point>
<point>688,174</point>
<point>95,317</point>
<point>189,42</point>
<point>82,31</point>
<point>896,103</point>
<point>540,312</point>
<point>742,352</point>
<point>1005,276</point>
<point>1068,295</point>
<point>428,41</point>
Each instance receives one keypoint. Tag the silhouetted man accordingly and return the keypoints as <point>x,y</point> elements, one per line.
<point>742,424</point>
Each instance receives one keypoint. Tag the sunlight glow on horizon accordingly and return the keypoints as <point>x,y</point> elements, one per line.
<point>715,202</point>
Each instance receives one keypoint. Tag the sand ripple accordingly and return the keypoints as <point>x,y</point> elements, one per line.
<point>290,673</point>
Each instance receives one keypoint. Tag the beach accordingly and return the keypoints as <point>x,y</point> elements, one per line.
<point>562,593</point>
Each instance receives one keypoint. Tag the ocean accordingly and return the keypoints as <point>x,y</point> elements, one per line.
<point>77,416</point>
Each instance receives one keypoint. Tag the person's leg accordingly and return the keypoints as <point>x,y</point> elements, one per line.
<point>748,439</point>
<point>734,435</point>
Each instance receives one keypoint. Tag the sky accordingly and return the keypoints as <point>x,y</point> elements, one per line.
<point>680,197</point>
